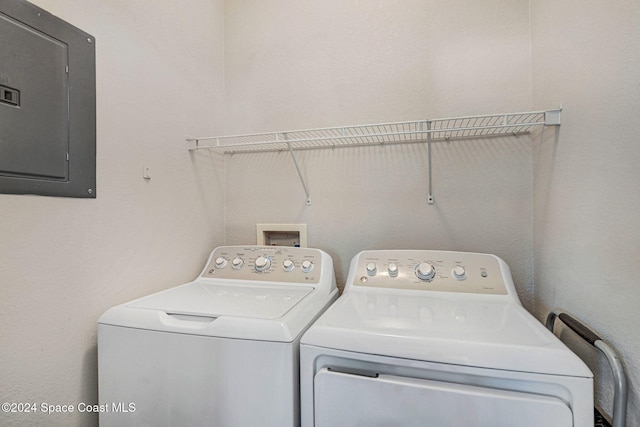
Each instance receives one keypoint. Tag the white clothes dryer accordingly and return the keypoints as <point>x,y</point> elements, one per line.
<point>435,338</point>
<point>220,351</point>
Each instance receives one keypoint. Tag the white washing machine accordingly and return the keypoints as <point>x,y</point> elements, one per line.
<point>434,338</point>
<point>220,351</point>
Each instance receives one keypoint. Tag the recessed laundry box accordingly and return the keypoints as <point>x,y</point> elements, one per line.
<point>220,351</point>
<point>435,338</point>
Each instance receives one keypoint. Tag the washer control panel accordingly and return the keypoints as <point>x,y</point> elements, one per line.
<point>265,263</point>
<point>443,271</point>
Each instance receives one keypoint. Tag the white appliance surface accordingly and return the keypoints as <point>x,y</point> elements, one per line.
<point>218,299</point>
<point>472,404</point>
<point>222,350</point>
<point>462,331</point>
<point>418,333</point>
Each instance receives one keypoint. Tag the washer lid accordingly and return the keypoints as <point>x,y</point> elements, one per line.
<point>217,299</point>
<point>478,332</point>
<point>238,310</point>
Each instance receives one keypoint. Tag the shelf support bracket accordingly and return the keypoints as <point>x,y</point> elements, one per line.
<point>430,199</point>
<point>295,162</point>
<point>553,117</point>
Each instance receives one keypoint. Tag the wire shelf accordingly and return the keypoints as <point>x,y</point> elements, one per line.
<point>382,133</point>
<point>416,131</point>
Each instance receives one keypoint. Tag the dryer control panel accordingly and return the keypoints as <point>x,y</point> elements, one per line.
<point>265,263</point>
<point>444,271</point>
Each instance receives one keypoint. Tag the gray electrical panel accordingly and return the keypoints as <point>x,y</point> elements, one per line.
<point>47,104</point>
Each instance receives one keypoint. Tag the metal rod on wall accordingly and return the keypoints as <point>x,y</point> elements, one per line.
<point>295,162</point>
<point>430,199</point>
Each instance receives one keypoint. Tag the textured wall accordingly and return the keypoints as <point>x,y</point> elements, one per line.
<point>65,261</point>
<point>375,198</point>
<point>307,63</point>
<point>295,64</point>
<point>298,64</point>
<point>587,183</point>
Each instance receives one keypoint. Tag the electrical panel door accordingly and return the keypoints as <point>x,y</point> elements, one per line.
<point>47,104</point>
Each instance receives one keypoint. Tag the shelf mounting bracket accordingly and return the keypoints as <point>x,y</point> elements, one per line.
<point>430,199</point>
<point>552,117</point>
<point>295,162</point>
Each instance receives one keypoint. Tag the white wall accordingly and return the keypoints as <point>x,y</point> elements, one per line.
<point>311,64</point>
<point>65,261</point>
<point>587,182</point>
<point>296,64</point>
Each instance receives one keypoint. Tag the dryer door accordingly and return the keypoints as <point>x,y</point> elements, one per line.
<point>344,399</point>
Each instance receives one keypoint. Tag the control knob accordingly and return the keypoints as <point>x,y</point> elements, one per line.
<point>392,268</point>
<point>236,263</point>
<point>262,263</point>
<point>221,262</point>
<point>307,266</point>
<point>288,265</point>
<point>371,269</point>
<point>459,272</point>
<point>425,271</point>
